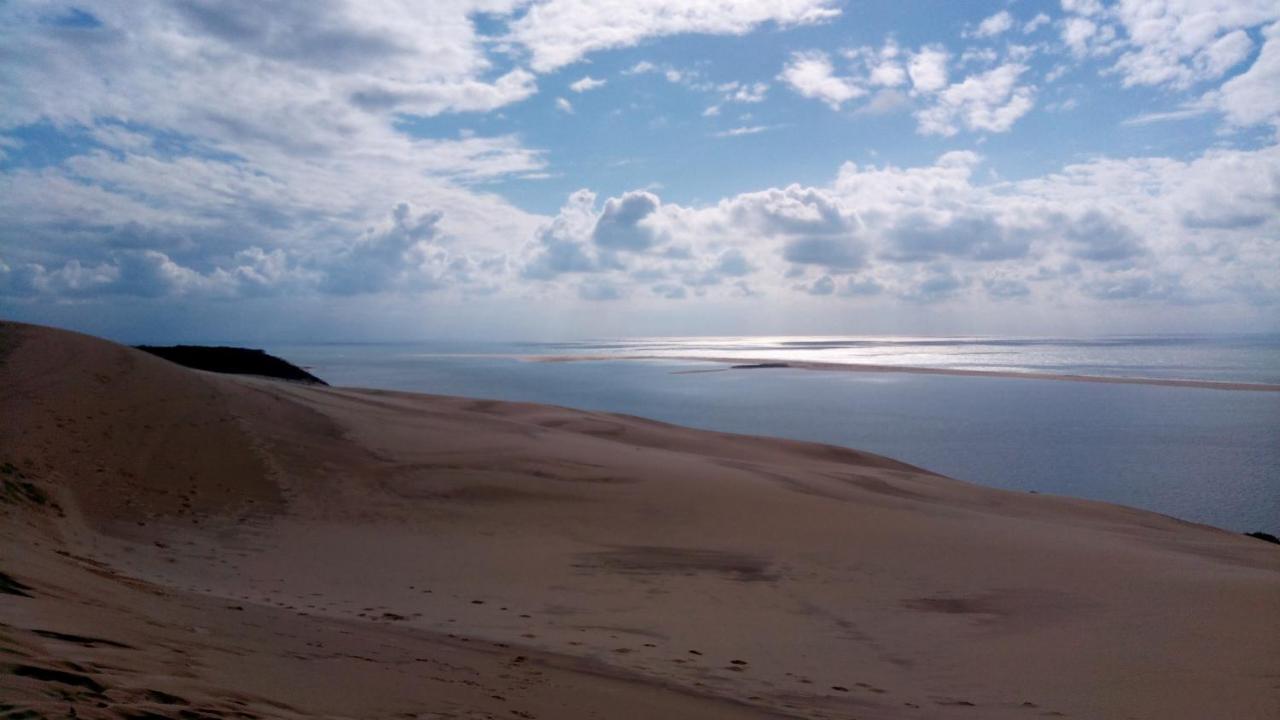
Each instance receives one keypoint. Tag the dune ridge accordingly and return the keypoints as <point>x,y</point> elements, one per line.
<point>183,544</point>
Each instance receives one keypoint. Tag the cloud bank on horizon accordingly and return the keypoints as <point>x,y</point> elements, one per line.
<point>344,168</point>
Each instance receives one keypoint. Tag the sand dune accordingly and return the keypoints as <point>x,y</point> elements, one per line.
<point>178,544</point>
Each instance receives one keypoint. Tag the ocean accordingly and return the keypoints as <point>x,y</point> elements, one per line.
<point>1205,455</point>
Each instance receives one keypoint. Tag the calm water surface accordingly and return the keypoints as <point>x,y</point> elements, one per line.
<point>1205,455</point>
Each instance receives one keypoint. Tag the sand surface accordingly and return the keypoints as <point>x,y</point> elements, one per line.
<point>177,544</point>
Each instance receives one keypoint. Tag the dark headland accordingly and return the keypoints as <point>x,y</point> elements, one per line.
<point>233,361</point>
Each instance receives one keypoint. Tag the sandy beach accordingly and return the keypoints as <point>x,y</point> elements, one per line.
<point>180,544</point>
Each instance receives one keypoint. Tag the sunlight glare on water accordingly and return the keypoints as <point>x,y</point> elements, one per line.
<point>1243,358</point>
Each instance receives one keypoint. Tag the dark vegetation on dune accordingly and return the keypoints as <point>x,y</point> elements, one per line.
<point>232,360</point>
<point>1264,536</point>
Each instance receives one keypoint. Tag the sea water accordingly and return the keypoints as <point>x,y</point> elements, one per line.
<point>1204,455</point>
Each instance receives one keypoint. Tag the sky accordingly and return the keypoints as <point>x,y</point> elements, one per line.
<point>327,170</point>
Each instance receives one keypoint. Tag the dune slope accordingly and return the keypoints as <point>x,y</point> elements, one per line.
<point>181,544</point>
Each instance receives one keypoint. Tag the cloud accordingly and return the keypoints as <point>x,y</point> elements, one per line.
<point>883,65</point>
<point>743,92</point>
<point>744,130</point>
<point>437,97</point>
<point>991,101</point>
<point>641,68</point>
<point>994,25</point>
<point>833,253</point>
<point>822,286</point>
<point>1072,103</point>
<point>733,263</point>
<point>1035,23</point>
<point>136,273</point>
<point>791,211</point>
<point>1095,236</point>
<point>1083,7</point>
<point>928,69</point>
<point>564,106</point>
<point>597,290</point>
<point>586,83</point>
<point>1253,97</point>
<point>315,180</point>
<point>888,74</point>
<point>864,287</point>
<point>670,291</point>
<point>561,245</point>
<point>918,236</point>
<point>120,138</point>
<point>622,226</point>
<point>297,162</point>
<point>402,254</point>
<point>560,32</point>
<point>1076,33</point>
<point>389,257</point>
<point>1005,288</point>
<point>1152,230</point>
<point>885,102</point>
<point>328,39</point>
<point>9,143</point>
<point>150,274</point>
<point>1179,45</point>
<point>1182,113</point>
<point>1174,44</point>
<point>1128,286</point>
<point>811,75</point>
<point>978,56</point>
<point>933,284</point>
<point>339,59</point>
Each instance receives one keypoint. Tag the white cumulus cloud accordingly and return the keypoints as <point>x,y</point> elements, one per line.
<point>559,32</point>
<point>989,102</point>
<point>994,25</point>
<point>812,75</point>
<point>928,69</point>
<point>586,83</point>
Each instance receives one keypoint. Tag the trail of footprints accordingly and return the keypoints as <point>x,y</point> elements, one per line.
<point>690,661</point>
<point>521,673</point>
<point>707,673</point>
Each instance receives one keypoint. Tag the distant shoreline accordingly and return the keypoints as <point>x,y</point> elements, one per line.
<point>772,363</point>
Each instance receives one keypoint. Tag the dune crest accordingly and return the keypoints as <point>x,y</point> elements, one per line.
<point>183,544</point>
